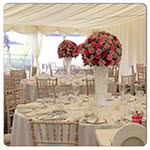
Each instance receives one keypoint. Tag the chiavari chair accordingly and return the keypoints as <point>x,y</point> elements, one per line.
<point>46,87</point>
<point>9,82</point>
<point>12,98</point>
<point>90,86</point>
<point>17,75</point>
<point>129,82</point>
<point>141,72</point>
<point>54,132</point>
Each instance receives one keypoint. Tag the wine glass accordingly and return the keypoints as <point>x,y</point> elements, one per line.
<point>122,89</point>
<point>76,89</point>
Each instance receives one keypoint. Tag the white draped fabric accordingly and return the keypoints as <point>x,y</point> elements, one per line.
<point>69,18</point>
<point>126,21</point>
<point>36,44</point>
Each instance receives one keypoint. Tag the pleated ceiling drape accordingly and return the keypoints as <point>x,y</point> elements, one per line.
<point>126,21</point>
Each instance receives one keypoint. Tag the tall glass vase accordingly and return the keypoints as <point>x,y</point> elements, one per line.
<point>67,64</point>
<point>101,84</point>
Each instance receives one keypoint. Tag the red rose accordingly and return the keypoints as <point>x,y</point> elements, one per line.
<point>104,54</point>
<point>86,52</point>
<point>94,62</point>
<point>107,34</point>
<point>86,62</point>
<point>115,38</point>
<point>108,63</point>
<point>98,46</point>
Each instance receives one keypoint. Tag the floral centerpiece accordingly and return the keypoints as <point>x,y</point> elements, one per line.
<point>101,49</point>
<point>67,49</point>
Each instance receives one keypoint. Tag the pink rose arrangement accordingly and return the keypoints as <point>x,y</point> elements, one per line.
<point>101,49</point>
<point>67,49</point>
<point>80,46</point>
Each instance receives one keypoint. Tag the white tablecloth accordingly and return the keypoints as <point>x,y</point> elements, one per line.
<point>21,134</point>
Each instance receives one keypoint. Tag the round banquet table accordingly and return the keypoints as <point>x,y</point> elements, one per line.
<point>21,134</point>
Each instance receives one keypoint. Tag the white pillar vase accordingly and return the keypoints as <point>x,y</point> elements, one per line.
<point>101,84</point>
<point>67,64</point>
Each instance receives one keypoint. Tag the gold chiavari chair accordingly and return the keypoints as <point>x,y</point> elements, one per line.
<point>12,98</point>
<point>129,82</point>
<point>17,75</point>
<point>9,82</point>
<point>54,132</point>
<point>114,72</point>
<point>141,73</point>
<point>90,86</point>
<point>46,87</point>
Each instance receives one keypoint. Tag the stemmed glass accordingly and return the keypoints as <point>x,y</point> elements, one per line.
<point>76,89</point>
<point>60,93</point>
<point>122,89</point>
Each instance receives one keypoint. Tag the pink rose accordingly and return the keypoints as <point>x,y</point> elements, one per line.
<point>115,42</point>
<point>93,44</point>
<point>112,62</point>
<point>120,45</point>
<point>110,41</point>
<point>104,36</point>
<point>91,57</point>
<point>101,42</point>
<point>107,46</point>
<point>110,37</point>
<point>111,52</point>
<point>118,50</point>
<point>109,57</point>
<point>98,51</point>
<point>102,62</point>
<point>91,50</point>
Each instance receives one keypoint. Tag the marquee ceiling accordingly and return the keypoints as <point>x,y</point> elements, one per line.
<point>69,18</point>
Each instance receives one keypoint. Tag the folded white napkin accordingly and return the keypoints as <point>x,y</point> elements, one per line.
<point>29,105</point>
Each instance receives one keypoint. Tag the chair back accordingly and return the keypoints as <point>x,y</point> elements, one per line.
<point>46,87</point>
<point>130,135</point>
<point>114,72</point>
<point>17,75</point>
<point>129,80</point>
<point>54,132</point>
<point>12,98</point>
<point>90,86</point>
<point>9,82</point>
<point>141,72</point>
